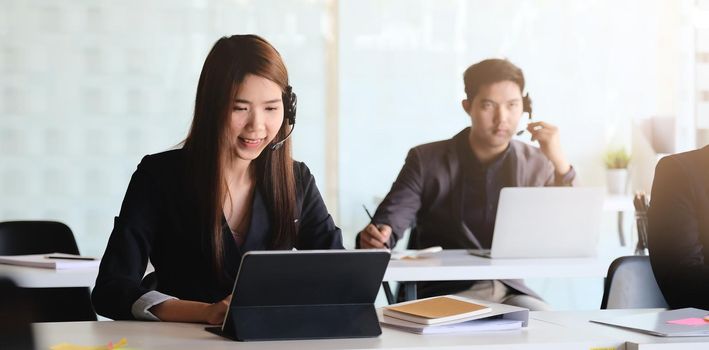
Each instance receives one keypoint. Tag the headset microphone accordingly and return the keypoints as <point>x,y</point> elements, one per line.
<point>290,104</point>
<point>280,143</point>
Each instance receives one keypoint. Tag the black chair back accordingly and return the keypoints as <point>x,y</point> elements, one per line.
<point>36,237</point>
<point>43,237</point>
<point>631,284</point>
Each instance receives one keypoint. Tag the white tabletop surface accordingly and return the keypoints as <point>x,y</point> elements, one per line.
<point>579,321</point>
<point>456,264</point>
<point>442,266</point>
<point>35,277</point>
<point>547,330</point>
<point>177,336</point>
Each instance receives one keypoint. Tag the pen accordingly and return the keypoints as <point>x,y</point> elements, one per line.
<point>69,257</point>
<point>371,221</point>
<point>538,127</point>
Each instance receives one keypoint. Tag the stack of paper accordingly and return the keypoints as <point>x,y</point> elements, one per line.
<point>452,314</point>
<point>484,325</point>
<point>57,261</point>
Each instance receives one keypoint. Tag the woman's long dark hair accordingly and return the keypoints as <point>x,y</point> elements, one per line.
<point>209,141</point>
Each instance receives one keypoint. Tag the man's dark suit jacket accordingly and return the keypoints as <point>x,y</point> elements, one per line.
<point>158,221</point>
<point>678,228</point>
<point>427,196</point>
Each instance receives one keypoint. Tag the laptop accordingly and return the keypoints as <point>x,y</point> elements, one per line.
<point>546,222</point>
<point>686,322</point>
<point>314,294</point>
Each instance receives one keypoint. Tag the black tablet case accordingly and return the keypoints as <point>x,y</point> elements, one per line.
<point>305,295</point>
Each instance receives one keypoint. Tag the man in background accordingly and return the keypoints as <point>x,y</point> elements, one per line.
<point>447,191</point>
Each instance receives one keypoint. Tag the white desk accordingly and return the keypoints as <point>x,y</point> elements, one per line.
<point>443,266</point>
<point>547,330</point>
<point>457,264</point>
<point>32,277</point>
<point>579,321</point>
<point>175,336</point>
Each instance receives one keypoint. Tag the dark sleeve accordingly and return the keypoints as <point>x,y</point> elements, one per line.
<point>676,251</point>
<point>399,207</point>
<point>126,256</point>
<point>316,229</point>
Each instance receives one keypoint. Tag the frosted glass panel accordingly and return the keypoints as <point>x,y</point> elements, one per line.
<point>89,87</point>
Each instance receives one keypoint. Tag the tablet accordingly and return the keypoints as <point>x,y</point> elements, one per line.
<point>315,294</point>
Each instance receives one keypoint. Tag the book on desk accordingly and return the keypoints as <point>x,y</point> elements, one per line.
<point>452,314</point>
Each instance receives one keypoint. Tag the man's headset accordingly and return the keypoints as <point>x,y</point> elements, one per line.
<point>526,107</point>
<point>290,104</point>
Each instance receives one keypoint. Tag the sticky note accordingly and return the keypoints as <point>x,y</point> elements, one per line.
<point>689,322</point>
<point>111,346</point>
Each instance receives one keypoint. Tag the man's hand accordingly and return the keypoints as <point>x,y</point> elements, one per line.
<point>375,236</point>
<point>548,137</point>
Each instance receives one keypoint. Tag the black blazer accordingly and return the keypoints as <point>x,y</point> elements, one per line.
<point>678,228</point>
<point>157,221</point>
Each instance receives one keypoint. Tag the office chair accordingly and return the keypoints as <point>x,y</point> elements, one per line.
<point>630,283</point>
<point>43,237</point>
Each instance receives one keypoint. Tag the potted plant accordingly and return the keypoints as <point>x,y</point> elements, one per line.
<point>616,170</point>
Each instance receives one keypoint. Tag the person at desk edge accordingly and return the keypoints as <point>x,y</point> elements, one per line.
<point>232,188</point>
<point>447,191</point>
<point>678,228</point>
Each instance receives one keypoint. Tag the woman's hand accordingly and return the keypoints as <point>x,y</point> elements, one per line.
<point>214,313</point>
<point>175,310</point>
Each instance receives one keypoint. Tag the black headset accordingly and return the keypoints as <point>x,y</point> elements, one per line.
<point>526,107</point>
<point>290,105</point>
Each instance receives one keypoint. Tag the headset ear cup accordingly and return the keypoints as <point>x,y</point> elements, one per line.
<point>527,105</point>
<point>290,104</point>
<point>293,106</point>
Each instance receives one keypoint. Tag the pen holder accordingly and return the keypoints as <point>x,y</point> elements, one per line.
<point>641,226</point>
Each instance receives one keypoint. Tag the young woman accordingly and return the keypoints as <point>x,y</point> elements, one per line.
<point>233,187</point>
